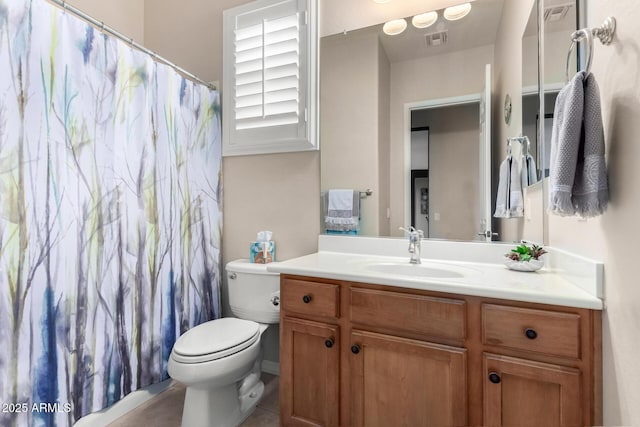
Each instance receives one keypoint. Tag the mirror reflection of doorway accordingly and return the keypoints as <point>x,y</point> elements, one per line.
<point>420,178</point>
<point>445,203</point>
<point>420,200</point>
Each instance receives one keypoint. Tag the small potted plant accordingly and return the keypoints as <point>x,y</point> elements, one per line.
<point>525,258</point>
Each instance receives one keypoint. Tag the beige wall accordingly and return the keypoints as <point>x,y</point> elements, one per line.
<point>613,237</point>
<point>124,16</point>
<point>507,79</point>
<point>453,170</point>
<point>188,33</point>
<point>349,118</point>
<point>424,79</point>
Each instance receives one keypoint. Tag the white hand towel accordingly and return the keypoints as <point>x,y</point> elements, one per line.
<point>342,210</point>
<point>341,200</point>
<point>502,198</point>
<point>516,201</point>
<point>528,171</point>
<point>532,169</point>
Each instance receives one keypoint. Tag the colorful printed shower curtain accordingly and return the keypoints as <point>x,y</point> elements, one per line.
<point>110,217</point>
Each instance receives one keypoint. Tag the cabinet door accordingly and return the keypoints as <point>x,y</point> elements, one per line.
<point>309,373</point>
<point>403,382</point>
<point>520,392</point>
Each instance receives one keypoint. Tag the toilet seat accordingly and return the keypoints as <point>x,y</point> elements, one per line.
<point>215,339</point>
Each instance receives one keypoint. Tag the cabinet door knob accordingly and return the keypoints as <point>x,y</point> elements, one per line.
<point>531,333</point>
<point>306,299</point>
<point>494,377</point>
<point>329,342</point>
<point>355,349</point>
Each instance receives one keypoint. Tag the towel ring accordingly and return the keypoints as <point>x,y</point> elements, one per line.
<point>576,38</point>
<point>521,140</point>
<point>604,33</point>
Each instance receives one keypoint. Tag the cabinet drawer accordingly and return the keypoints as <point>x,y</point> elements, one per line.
<point>549,332</point>
<point>308,297</point>
<point>435,317</point>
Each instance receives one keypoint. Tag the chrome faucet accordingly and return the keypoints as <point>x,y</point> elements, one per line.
<point>415,237</point>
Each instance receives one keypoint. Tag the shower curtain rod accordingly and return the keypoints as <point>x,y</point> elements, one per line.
<point>107,29</point>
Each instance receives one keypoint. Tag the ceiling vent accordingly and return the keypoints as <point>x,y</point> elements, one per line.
<point>437,39</point>
<point>556,13</point>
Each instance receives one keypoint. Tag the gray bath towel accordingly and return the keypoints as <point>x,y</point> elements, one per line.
<point>577,170</point>
<point>590,194</point>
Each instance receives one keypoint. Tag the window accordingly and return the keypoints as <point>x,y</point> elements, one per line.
<point>270,77</point>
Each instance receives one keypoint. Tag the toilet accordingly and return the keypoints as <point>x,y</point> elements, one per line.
<point>220,361</point>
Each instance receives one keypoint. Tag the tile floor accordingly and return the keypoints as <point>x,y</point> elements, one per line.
<point>165,410</point>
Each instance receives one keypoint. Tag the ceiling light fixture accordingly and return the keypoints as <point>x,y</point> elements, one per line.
<point>395,27</point>
<point>454,13</point>
<point>425,20</point>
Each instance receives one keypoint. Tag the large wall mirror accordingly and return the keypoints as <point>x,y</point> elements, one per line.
<point>422,118</point>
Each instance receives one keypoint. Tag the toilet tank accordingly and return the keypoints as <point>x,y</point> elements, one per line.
<point>251,290</point>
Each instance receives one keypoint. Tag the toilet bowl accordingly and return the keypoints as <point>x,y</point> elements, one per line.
<point>220,361</point>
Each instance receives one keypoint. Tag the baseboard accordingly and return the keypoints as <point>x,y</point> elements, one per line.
<point>270,367</point>
<point>127,404</point>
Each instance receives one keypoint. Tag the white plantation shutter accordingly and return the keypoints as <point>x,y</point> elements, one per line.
<point>270,79</point>
<point>267,73</point>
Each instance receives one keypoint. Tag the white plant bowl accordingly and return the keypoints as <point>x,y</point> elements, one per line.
<point>532,265</point>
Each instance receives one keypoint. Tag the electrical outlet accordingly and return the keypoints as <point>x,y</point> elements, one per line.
<point>436,216</point>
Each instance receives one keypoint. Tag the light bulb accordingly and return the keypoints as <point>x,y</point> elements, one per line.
<point>454,13</point>
<point>425,20</point>
<point>395,27</point>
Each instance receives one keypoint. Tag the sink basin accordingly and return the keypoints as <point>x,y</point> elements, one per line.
<point>420,270</point>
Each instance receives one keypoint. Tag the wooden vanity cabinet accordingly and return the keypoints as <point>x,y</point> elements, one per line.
<point>542,365</point>
<point>355,354</point>
<point>310,380</point>
<point>310,346</point>
<point>520,392</point>
<point>403,382</point>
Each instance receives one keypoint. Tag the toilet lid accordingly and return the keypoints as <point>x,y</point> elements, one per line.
<point>215,339</point>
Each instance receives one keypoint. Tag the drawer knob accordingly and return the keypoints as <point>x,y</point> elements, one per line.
<point>329,342</point>
<point>355,349</point>
<point>494,377</point>
<point>306,299</point>
<point>531,333</point>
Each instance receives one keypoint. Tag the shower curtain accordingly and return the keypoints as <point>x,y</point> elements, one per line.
<point>110,217</point>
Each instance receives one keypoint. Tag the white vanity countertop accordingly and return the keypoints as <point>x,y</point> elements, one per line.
<point>477,278</point>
